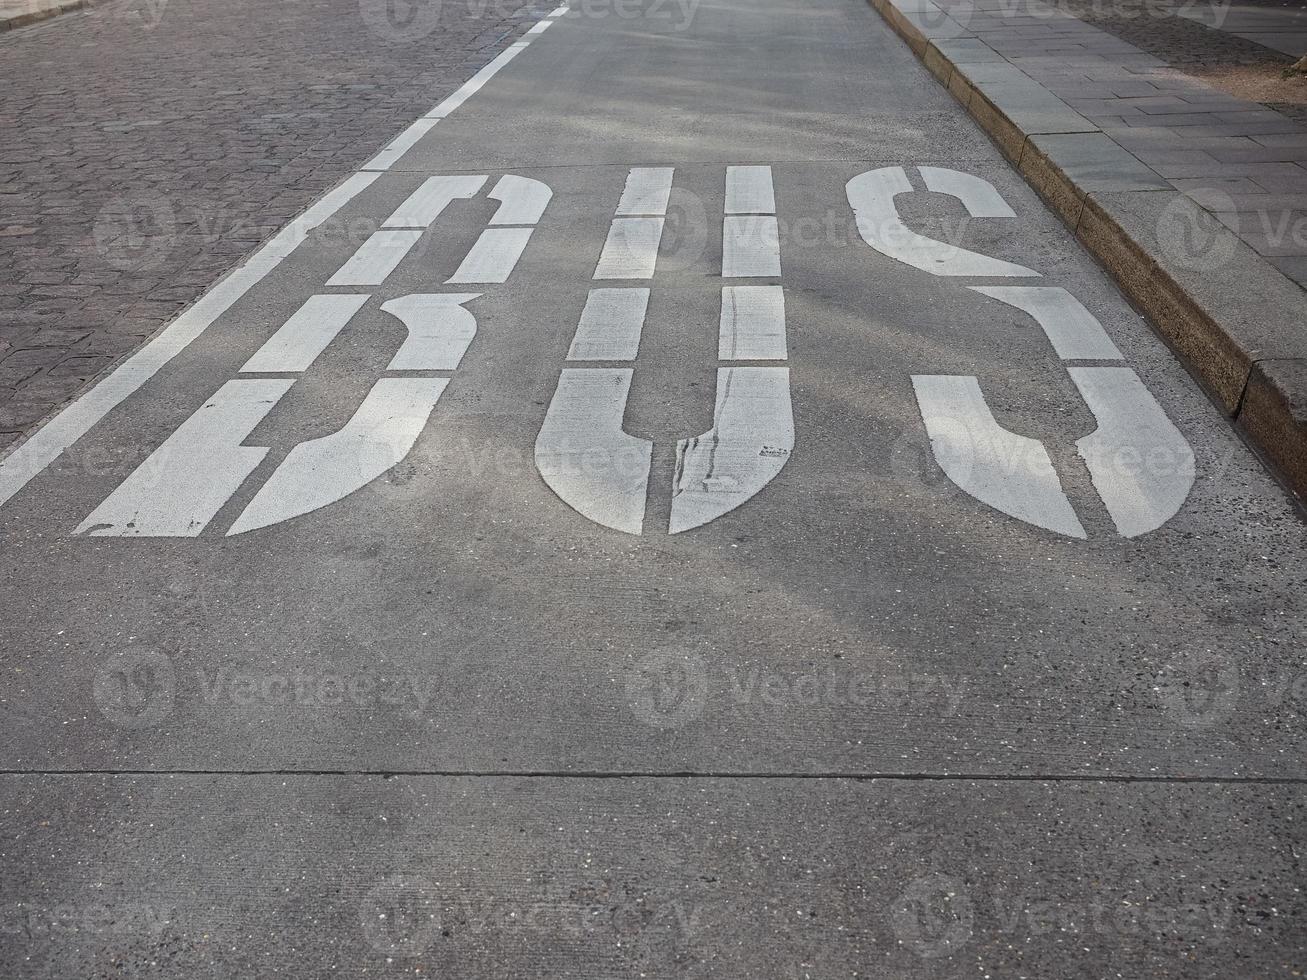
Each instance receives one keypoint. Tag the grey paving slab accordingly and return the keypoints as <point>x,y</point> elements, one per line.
<point>1097,163</point>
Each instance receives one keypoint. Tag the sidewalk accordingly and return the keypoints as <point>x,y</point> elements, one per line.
<point>20,13</point>
<point>1280,28</point>
<point>1195,200</point>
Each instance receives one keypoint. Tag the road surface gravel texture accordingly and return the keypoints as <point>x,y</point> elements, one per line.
<point>683,508</point>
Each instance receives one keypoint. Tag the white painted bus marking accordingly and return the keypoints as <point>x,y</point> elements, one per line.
<point>979,196</point>
<point>872,194</point>
<point>322,471</point>
<point>185,482</point>
<point>752,326</point>
<point>493,257</point>
<point>750,247</point>
<point>1009,472</point>
<point>440,330</point>
<point>376,258</point>
<point>749,444</point>
<point>631,249</point>
<point>749,191</point>
<point>1140,464</point>
<point>421,208</point>
<point>647,192</point>
<point>586,458</point>
<point>522,200</point>
<point>610,325</point>
<point>1074,332</point>
<point>307,333</point>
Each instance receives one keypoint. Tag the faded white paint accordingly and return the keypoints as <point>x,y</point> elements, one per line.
<point>493,256</point>
<point>307,333</point>
<point>610,325</point>
<point>1141,465</point>
<point>522,200</point>
<point>749,191</point>
<point>647,192</point>
<point>1009,472</point>
<point>586,458</point>
<point>631,249</point>
<point>752,326</point>
<point>376,258</point>
<point>872,194</point>
<point>440,330</point>
<point>426,204</point>
<point>749,444</point>
<point>1074,332</point>
<point>750,247</point>
<point>322,471</point>
<point>185,482</point>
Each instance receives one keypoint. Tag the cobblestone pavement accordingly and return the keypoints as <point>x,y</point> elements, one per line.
<point>150,144</point>
<point>1239,66</point>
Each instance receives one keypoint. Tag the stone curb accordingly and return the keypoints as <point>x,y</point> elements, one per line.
<point>1237,322</point>
<point>9,23</point>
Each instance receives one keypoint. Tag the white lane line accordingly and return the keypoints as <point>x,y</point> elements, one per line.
<point>752,324</point>
<point>27,460</point>
<point>749,444</point>
<point>493,256</point>
<point>749,191</point>
<point>322,471</point>
<point>307,333</point>
<point>406,140</point>
<point>376,258</point>
<point>421,208</point>
<point>646,192</point>
<point>439,330</point>
<point>478,81</point>
<point>400,145</point>
<point>610,325</point>
<point>584,456</point>
<point>522,200</point>
<point>872,194</point>
<point>631,249</point>
<point>1140,464</point>
<point>184,482</point>
<point>750,247</point>
<point>1074,332</point>
<point>1009,472</point>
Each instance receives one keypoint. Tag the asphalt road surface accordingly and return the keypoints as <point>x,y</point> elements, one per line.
<point>683,508</point>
